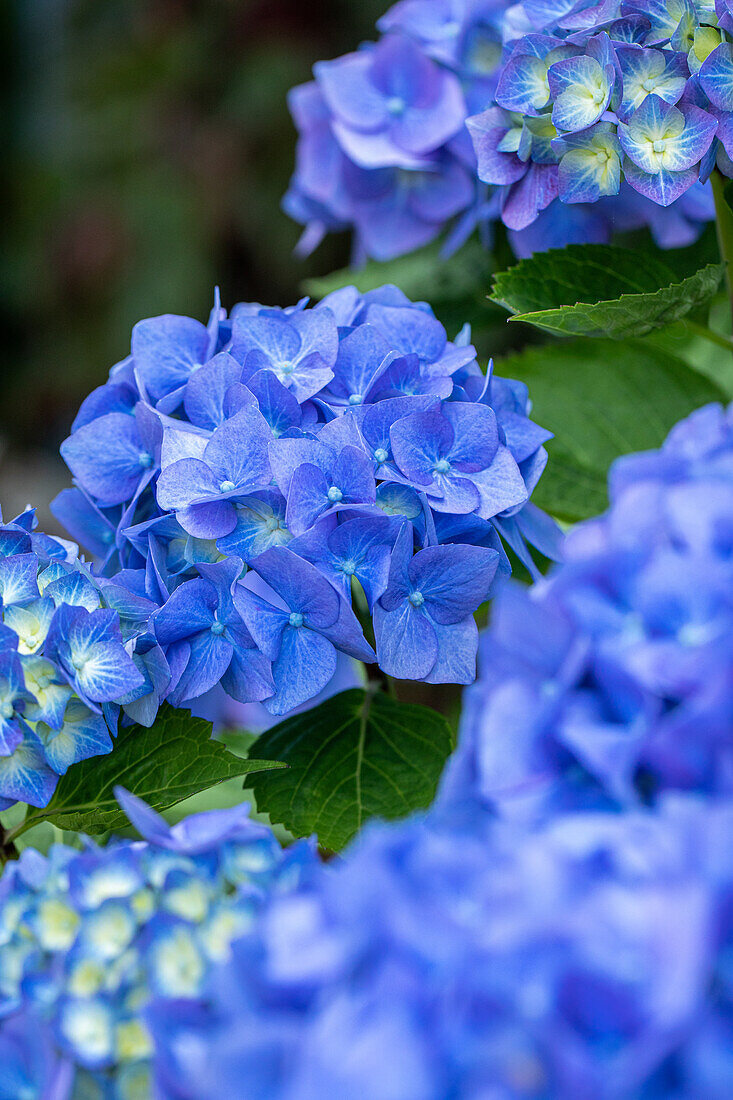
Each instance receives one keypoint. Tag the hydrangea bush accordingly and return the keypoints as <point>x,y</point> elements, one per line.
<point>237,478</point>
<point>289,513</point>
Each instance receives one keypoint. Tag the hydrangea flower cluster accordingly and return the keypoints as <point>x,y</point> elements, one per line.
<point>589,959</point>
<point>87,939</point>
<point>592,95</point>
<point>384,143</point>
<point>63,664</point>
<point>235,479</point>
<point>612,682</point>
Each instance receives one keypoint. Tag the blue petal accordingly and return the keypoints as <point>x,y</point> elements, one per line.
<point>305,664</point>
<point>407,646</point>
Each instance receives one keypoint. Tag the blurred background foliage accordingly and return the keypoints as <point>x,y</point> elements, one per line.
<point>147,146</point>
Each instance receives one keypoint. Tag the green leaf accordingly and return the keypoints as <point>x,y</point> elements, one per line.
<point>601,401</point>
<point>455,286</point>
<point>424,273</point>
<point>163,765</point>
<point>601,290</point>
<point>357,756</point>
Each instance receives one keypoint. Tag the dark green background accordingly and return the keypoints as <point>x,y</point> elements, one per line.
<point>146,148</point>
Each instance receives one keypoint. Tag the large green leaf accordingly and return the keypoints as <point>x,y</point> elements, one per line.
<point>601,290</point>
<point>173,759</point>
<point>358,755</point>
<point>454,286</point>
<point>601,401</point>
<point>424,273</point>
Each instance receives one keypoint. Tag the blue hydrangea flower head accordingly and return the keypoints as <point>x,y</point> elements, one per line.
<point>286,450</point>
<point>548,91</point>
<point>62,663</point>
<point>612,682</point>
<point>568,961</point>
<point>602,98</point>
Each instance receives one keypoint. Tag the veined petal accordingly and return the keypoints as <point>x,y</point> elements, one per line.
<point>82,735</point>
<point>407,646</point>
<point>107,672</point>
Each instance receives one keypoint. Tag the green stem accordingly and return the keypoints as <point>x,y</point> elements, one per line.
<point>7,848</point>
<point>711,335</point>
<point>724,226</point>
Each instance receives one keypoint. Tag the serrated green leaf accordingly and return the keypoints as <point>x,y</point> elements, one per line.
<point>172,760</point>
<point>601,291</point>
<point>357,756</point>
<point>601,402</point>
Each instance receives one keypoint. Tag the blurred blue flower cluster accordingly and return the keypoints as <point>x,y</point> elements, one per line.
<point>611,682</point>
<point>594,94</point>
<point>589,958</point>
<point>88,939</point>
<point>384,132</point>
<point>63,664</point>
<point>235,478</point>
<point>528,939</point>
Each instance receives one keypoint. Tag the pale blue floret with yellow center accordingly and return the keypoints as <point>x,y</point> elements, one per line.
<point>582,87</point>
<point>524,86</point>
<point>88,938</point>
<point>663,146</point>
<point>590,164</point>
<point>50,695</point>
<point>30,622</point>
<point>647,72</point>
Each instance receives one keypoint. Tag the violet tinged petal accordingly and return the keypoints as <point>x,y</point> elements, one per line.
<point>453,580</point>
<point>277,404</point>
<point>166,349</point>
<point>419,442</point>
<point>300,585</point>
<point>286,455</point>
<point>500,486</point>
<point>185,482</point>
<point>264,621</point>
<point>206,391</point>
<point>210,657</point>
<point>308,498</point>
<point>347,635</point>
<point>353,475</point>
<point>107,457</point>
<point>249,676</point>
<point>453,494</point>
<point>189,610</point>
<point>237,451</point>
<point>211,520</point>
<point>476,435</point>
